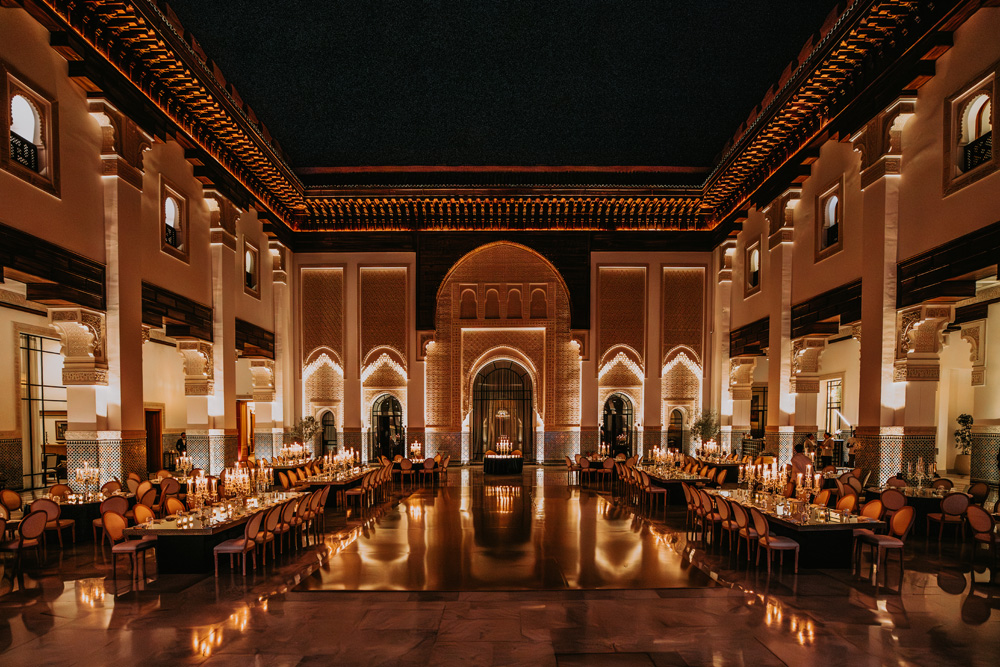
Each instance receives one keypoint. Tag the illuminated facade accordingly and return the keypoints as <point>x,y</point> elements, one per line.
<point>166,270</point>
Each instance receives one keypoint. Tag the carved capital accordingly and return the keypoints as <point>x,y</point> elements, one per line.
<point>123,143</point>
<point>975,334</point>
<point>880,141</point>
<point>741,377</point>
<point>805,364</point>
<point>262,372</point>
<point>199,367</point>
<point>919,339</point>
<point>84,345</point>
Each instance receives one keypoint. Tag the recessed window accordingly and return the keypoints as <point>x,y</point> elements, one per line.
<point>251,269</point>
<point>829,221</point>
<point>969,117</point>
<point>173,221</point>
<point>538,309</point>
<point>29,122</point>
<point>753,269</point>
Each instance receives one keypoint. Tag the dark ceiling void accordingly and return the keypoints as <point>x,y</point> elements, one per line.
<point>561,82</point>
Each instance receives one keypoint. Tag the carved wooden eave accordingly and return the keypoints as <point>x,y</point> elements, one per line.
<point>145,43</point>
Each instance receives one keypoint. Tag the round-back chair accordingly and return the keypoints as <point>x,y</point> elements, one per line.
<point>979,491</point>
<point>60,490</point>
<point>942,483</point>
<point>953,508</point>
<point>893,500</point>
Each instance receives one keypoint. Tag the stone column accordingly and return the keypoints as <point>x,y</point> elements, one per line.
<point>262,373</point>
<point>199,386</point>
<point>285,387</point>
<point>741,387</point>
<point>880,146</point>
<point>986,407</point>
<point>720,392</point>
<point>804,384</point>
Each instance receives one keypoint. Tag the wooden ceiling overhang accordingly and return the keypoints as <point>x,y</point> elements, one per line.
<point>837,71</point>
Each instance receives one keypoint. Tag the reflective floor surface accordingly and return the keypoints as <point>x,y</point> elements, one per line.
<point>476,573</point>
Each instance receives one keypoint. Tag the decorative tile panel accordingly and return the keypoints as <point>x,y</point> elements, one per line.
<point>322,310</point>
<point>383,305</point>
<point>683,300</point>
<point>621,308</point>
<point>12,463</point>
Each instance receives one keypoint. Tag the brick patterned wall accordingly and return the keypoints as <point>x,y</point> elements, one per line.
<point>12,462</point>
<point>506,266</point>
<point>621,308</point>
<point>383,306</point>
<point>322,310</point>
<point>683,302</point>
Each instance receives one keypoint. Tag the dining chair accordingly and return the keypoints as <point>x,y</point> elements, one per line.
<point>266,534</point>
<point>728,520</point>
<point>870,510</point>
<point>163,473</point>
<point>283,480</point>
<point>300,522</point>
<point>570,468</point>
<point>984,531</point>
<point>406,471</point>
<point>241,546</point>
<point>444,466</point>
<point>854,483</point>
<point>585,470</point>
<point>893,500</point>
<point>60,490</point>
<point>27,536</point>
<point>823,498</point>
<point>321,506</point>
<point>143,514</point>
<point>896,482</point>
<point>979,492</point>
<point>132,485</point>
<point>953,508</point>
<point>54,522</point>
<point>174,506</point>
<point>772,542</point>
<point>709,516</point>
<point>110,487</point>
<point>114,527</point>
<point>720,478</point>
<point>284,525</point>
<point>117,504</point>
<point>942,483</point>
<point>428,471</point>
<point>143,488</point>
<point>849,502</point>
<point>745,530</point>
<point>689,500</point>
<point>606,471</point>
<point>11,500</point>
<point>653,493</point>
<point>899,527</point>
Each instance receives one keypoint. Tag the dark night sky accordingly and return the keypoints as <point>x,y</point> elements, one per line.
<point>554,82</point>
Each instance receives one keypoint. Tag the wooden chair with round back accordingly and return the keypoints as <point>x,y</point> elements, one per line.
<point>163,473</point>
<point>241,546</point>
<point>267,535</point>
<point>114,527</point>
<point>143,488</point>
<point>745,531</point>
<point>132,485</point>
<point>881,545</point>
<point>284,526</point>
<point>895,482</point>
<point>117,504</point>
<point>174,506</point>
<point>870,510</point>
<point>728,524</point>
<point>283,480</point>
<point>770,542</point>
<point>849,502</point>
<point>406,472</point>
<point>893,500</point>
<point>823,498</point>
<point>654,494</point>
<point>143,514</point>
<point>11,500</point>
<point>953,508</point>
<point>111,487</point>
<point>942,483</point>
<point>27,536</point>
<point>428,471</point>
<point>55,521</point>
<point>606,472</point>
<point>984,531</point>
<point>60,490</point>
<point>979,492</point>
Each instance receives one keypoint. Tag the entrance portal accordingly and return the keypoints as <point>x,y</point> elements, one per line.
<point>501,406</point>
<point>388,435</point>
<point>675,430</point>
<point>617,432</point>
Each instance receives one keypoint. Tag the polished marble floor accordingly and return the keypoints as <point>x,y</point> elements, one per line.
<point>548,574</point>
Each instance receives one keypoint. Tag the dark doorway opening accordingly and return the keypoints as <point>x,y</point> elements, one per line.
<point>502,406</point>
<point>388,435</point>
<point>618,423</point>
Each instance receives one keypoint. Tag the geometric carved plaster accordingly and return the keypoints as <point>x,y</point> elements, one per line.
<point>741,377</point>
<point>919,341</point>
<point>84,346</point>
<point>262,373</point>
<point>805,364</point>
<point>199,367</point>
<point>975,334</point>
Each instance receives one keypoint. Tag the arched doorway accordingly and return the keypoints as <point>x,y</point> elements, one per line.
<point>329,433</point>
<point>675,430</point>
<point>388,435</point>
<point>502,406</point>
<point>618,422</point>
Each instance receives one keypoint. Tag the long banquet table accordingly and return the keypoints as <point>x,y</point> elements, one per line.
<point>732,468</point>
<point>924,501</point>
<point>670,479</point>
<point>185,544</point>
<point>823,542</point>
<point>500,464</point>
<point>338,483</point>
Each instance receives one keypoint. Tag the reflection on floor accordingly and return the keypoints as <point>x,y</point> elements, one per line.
<point>539,573</point>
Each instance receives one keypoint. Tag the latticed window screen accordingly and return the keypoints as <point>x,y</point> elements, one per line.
<point>834,405</point>
<point>501,406</point>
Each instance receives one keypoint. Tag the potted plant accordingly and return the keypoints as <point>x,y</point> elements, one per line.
<point>304,430</point>
<point>963,442</point>
<point>706,426</point>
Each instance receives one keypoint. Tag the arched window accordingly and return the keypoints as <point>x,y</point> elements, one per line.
<point>468,307</point>
<point>514,305</point>
<point>753,268</point>
<point>977,132</point>
<point>830,232</point>
<point>25,133</point>
<point>539,308</point>
<point>492,305</point>
<point>251,270</point>
<point>329,433</point>
<point>172,222</point>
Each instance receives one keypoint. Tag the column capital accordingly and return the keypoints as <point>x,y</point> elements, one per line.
<point>123,142</point>
<point>919,339</point>
<point>880,141</point>
<point>741,377</point>
<point>199,367</point>
<point>83,333</point>
<point>262,372</point>
<point>805,364</point>
<point>975,334</point>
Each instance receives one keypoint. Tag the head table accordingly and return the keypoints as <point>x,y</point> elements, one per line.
<point>185,542</point>
<point>502,464</point>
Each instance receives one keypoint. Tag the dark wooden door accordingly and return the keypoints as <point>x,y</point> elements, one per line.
<point>154,440</point>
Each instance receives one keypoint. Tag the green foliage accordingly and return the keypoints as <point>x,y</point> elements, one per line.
<point>706,426</point>
<point>305,429</point>
<point>963,436</point>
